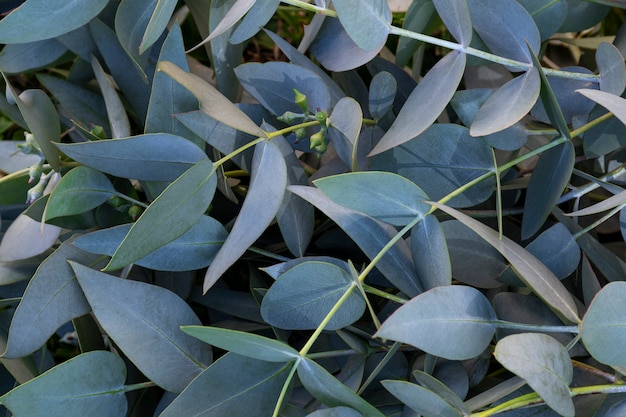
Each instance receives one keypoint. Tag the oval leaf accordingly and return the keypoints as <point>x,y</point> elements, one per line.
<point>26,238</point>
<point>382,94</point>
<point>367,23</point>
<point>344,128</point>
<point>430,253</point>
<point>382,195</point>
<point>147,332</point>
<point>245,344</point>
<point>453,322</point>
<point>420,399</point>
<point>47,19</point>
<point>260,13</point>
<point>302,297</point>
<point>532,272</point>
<point>611,67</point>
<point>171,214</point>
<point>545,365</point>
<point>427,100</point>
<point>88,384</point>
<point>456,16</point>
<point>508,104</point>
<point>151,157</point>
<point>268,182</point>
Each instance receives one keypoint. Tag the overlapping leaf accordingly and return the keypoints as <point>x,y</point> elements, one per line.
<point>456,16</point>
<point>420,399</point>
<point>366,23</point>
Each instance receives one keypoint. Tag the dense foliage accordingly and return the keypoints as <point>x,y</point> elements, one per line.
<point>413,213</point>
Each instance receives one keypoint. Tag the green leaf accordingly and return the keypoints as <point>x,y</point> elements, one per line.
<point>27,57</point>
<point>150,157</point>
<point>441,389</point>
<point>453,322</point>
<point>234,14</point>
<point>603,325</point>
<point>171,214</point>
<point>52,298</point>
<point>265,194</point>
<point>215,393</point>
<point>430,253</point>
<point>131,21</point>
<point>80,190</point>
<point>260,13</point>
<point>26,238</point>
<point>427,100</point>
<point>508,104</point>
<point>545,365</point>
<point>336,412</point>
<point>550,177</point>
<point>371,235</point>
<point>303,295</point>
<point>366,23</point>
<point>604,205</point>
<point>456,16</point>
<point>548,15</point>
<point>42,119</point>
<point>327,389</point>
<point>47,19</point>
<point>88,384</point>
<point>156,25</point>
<point>344,127</point>
<point>212,102</point>
<point>245,344</point>
<point>611,67</point>
<point>532,272</point>
<point>420,399</point>
<point>382,195</point>
<point>148,332</point>
<point>118,119</point>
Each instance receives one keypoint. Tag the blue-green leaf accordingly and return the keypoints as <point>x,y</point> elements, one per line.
<point>430,253</point>
<point>456,16</point>
<point>265,194</point>
<point>366,23</point>
<point>549,179</point>
<point>382,94</point>
<point>427,101</point>
<point>548,15</point>
<point>131,21</point>
<point>336,412</point>
<point>171,214</point>
<point>303,295</point>
<point>234,14</point>
<point>453,322</point>
<point>26,57</point>
<point>327,389</point>
<point>382,195</point>
<point>147,332</point>
<point>420,399</point>
<point>613,103</point>
<point>150,157</point>
<point>26,238</point>
<point>118,119</point>
<point>79,191</point>
<point>156,25</point>
<point>543,363</point>
<point>88,384</point>
<point>371,235</point>
<point>611,67</point>
<point>47,19</point>
<point>259,14</point>
<point>245,344</point>
<point>194,249</point>
<point>215,393</point>
<point>344,127</point>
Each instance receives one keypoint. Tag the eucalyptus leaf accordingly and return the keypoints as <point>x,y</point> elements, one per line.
<point>157,23</point>
<point>215,393</point>
<point>131,22</point>
<point>344,128</point>
<point>150,157</point>
<point>456,16</point>
<point>420,399</point>
<point>366,23</point>
<point>235,13</point>
<point>430,253</point>
<point>88,384</point>
<point>245,344</point>
<point>545,365</point>
<point>613,103</point>
<point>80,190</point>
<point>26,57</point>
<point>267,188</point>
<point>383,88</point>
<point>302,296</point>
<point>212,102</point>
<point>336,412</point>
<point>453,322</point>
<point>47,19</point>
<point>26,238</point>
<point>259,14</point>
<point>171,214</point>
<point>427,100</point>
<point>147,332</point>
<point>438,387</point>
<point>118,120</point>
<point>548,15</point>
<point>532,272</point>
<point>611,67</point>
<point>602,206</point>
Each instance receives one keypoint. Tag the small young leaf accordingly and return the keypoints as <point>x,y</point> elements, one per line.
<point>212,102</point>
<point>306,293</point>
<point>327,389</point>
<point>430,253</point>
<point>382,195</point>
<point>532,272</point>
<point>611,67</point>
<point>80,190</point>
<point>171,214</point>
<point>453,322</point>
<point>420,399</point>
<point>150,157</point>
<point>245,344</point>
<point>47,19</point>
<point>215,393</point>
<point>88,384</point>
<point>265,194</point>
<point>148,332</point>
<point>550,177</point>
<point>508,104</point>
<point>456,16</point>
<point>118,119</point>
<point>366,23</point>
<point>427,101</point>
<point>545,365</point>
<point>603,325</point>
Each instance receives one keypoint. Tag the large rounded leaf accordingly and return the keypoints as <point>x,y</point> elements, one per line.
<point>367,23</point>
<point>454,322</point>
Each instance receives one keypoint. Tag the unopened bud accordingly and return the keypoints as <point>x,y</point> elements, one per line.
<point>291,117</point>
<point>300,100</point>
<point>134,212</point>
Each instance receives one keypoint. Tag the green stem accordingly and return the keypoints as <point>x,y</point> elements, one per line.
<point>283,392</point>
<point>129,199</point>
<point>599,221</point>
<point>535,327</point>
<point>311,8</point>
<point>379,367</point>
<point>498,194</point>
<point>332,354</point>
<point>141,385</point>
<point>383,294</point>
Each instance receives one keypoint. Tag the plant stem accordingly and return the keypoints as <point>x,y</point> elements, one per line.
<point>383,294</point>
<point>141,385</point>
<point>130,199</point>
<point>599,221</point>
<point>535,327</point>
<point>283,392</point>
<point>379,367</point>
<point>311,8</point>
